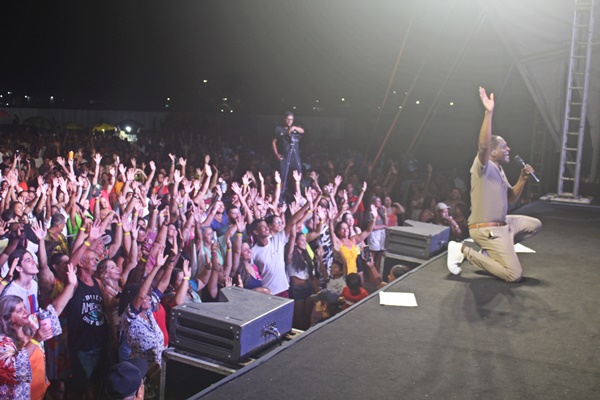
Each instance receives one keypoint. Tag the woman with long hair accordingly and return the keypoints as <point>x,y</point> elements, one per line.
<point>22,367</point>
<point>347,243</point>
<point>247,271</point>
<point>300,268</point>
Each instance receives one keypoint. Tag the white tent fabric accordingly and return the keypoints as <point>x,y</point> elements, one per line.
<point>537,33</point>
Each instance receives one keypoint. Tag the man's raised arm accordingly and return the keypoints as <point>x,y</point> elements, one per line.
<point>485,134</point>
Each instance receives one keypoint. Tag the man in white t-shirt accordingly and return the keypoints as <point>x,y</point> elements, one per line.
<point>268,253</point>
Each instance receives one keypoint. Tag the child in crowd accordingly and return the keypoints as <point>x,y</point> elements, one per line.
<point>353,292</point>
<point>337,281</point>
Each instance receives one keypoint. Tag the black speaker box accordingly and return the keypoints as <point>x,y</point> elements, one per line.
<point>240,324</point>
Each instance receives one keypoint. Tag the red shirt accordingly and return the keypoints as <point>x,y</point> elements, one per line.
<point>160,315</point>
<point>351,299</point>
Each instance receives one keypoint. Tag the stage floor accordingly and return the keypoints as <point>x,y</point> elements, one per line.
<point>471,336</point>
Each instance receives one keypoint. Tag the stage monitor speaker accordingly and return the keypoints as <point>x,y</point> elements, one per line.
<point>417,239</point>
<point>240,324</point>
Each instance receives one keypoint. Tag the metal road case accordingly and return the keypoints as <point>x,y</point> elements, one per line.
<point>417,239</point>
<point>243,322</point>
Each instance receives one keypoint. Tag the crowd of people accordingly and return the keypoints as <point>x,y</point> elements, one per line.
<point>101,238</point>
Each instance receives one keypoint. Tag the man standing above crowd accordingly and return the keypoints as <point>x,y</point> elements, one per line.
<point>290,137</point>
<point>489,226</point>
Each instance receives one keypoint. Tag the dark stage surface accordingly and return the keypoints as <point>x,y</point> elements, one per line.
<point>471,336</point>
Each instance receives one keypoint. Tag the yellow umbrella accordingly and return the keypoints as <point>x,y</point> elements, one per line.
<point>104,128</point>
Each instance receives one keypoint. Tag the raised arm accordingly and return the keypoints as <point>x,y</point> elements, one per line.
<point>45,277</point>
<point>62,300</point>
<point>364,234</point>
<point>485,134</point>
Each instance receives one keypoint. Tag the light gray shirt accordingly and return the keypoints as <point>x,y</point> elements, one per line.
<point>489,193</point>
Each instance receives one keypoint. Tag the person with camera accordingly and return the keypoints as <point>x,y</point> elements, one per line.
<point>290,136</point>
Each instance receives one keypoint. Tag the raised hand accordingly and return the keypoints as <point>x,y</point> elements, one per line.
<point>39,231</point>
<point>152,165</point>
<point>155,200</point>
<point>130,174</point>
<point>246,179</point>
<point>294,207</point>
<point>161,258</point>
<point>321,213</point>
<point>337,180</point>
<point>177,176</point>
<point>134,232</point>
<point>172,157</point>
<point>71,274</point>
<point>94,230</point>
<point>187,270</point>
<point>488,102</point>
<point>235,187</point>
<point>309,196</point>
<point>374,211</point>
<point>240,223</point>
<point>157,250</point>
<point>298,198</point>
<point>126,223</point>
<point>277,178</point>
<point>97,158</point>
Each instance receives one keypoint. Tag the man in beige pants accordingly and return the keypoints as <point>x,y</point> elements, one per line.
<point>489,226</point>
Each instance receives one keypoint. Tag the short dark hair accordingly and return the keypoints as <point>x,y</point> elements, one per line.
<point>353,282</point>
<point>399,270</point>
<point>255,224</point>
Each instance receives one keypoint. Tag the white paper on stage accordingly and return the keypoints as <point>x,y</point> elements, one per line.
<point>519,248</point>
<point>397,299</point>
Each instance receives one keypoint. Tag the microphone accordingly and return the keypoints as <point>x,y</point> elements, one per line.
<point>520,161</point>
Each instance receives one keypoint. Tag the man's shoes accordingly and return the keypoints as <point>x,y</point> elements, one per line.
<point>455,257</point>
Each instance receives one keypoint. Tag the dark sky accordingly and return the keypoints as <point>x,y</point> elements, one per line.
<point>263,55</point>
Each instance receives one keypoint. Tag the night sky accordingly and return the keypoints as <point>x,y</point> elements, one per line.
<point>262,55</point>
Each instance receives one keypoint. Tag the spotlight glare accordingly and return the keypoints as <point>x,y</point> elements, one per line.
<point>418,102</point>
<point>451,103</point>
